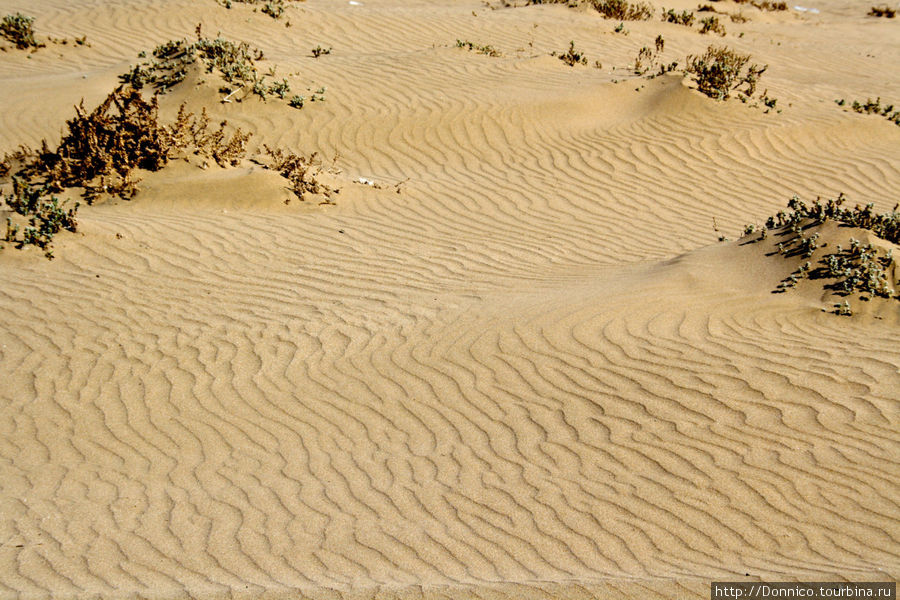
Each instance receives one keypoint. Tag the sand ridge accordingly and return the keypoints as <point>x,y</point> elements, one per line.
<point>532,373</point>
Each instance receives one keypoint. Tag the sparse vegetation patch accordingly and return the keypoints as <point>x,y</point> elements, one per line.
<point>874,108</point>
<point>712,25</point>
<point>479,48</point>
<point>273,8</point>
<point>572,56</point>
<point>234,62</point>
<point>882,11</point>
<point>860,268</point>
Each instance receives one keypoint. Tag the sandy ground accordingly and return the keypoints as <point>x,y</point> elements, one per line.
<point>530,373</point>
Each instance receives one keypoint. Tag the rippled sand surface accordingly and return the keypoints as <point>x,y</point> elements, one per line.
<point>530,373</point>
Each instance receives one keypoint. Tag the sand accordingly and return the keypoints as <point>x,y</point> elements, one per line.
<point>533,372</point>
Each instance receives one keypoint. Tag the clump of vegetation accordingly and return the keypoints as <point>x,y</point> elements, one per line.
<point>870,107</point>
<point>685,17</point>
<point>770,6</point>
<point>720,71</point>
<point>738,18</point>
<point>192,134</point>
<point>572,56</point>
<point>857,269</point>
<point>234,62</point>
<point>711,24</point>
<point>19,29</point>
<point>320,51</point>
<point>706,8</point>
<point>273,8</point>
<point>480,49</point>
<point>299,170</point>
<point>648,59</point>
<point>764,4</point>
<point>622,10</point>
<point>104,147</point>
<point>883,11</point>
<point>43,217</point>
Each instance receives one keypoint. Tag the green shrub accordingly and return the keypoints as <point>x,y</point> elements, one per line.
<point>44,215</point>
<point>19,29</point>
<point>685,17</point>
<point>711,24</point>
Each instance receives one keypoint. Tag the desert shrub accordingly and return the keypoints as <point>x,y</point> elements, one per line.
<point>705,8</point>
<point>102,148</point>
<point>685,17</point>
<point>480,49</point>
<point>720,71</point>
<point>19,29</point>
<point>738,18</point>
<point>43,214</point>
<point>320,51</point>
<point>572,56</point>
<point>299,170</point>
<point>622,10</point>
<point>123,133</point>
<point>192,134</point>
<point>711,24</point>
<point>883,11</point>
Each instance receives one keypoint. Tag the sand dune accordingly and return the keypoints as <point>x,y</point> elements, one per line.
<point>530,373</point>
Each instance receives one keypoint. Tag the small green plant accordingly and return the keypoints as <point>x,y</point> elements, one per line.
<point>43,214</point>
<point>297,102</point>
<point>685,17</point>
<point>572,56</point>
<point>280,88</point>
<point>711,24</point>
<point>620,28</point>
<point>320,51</point>
<point>19,29</point>
<point>480,49</point>
<point>882,11</point>
<point>720,71</point>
